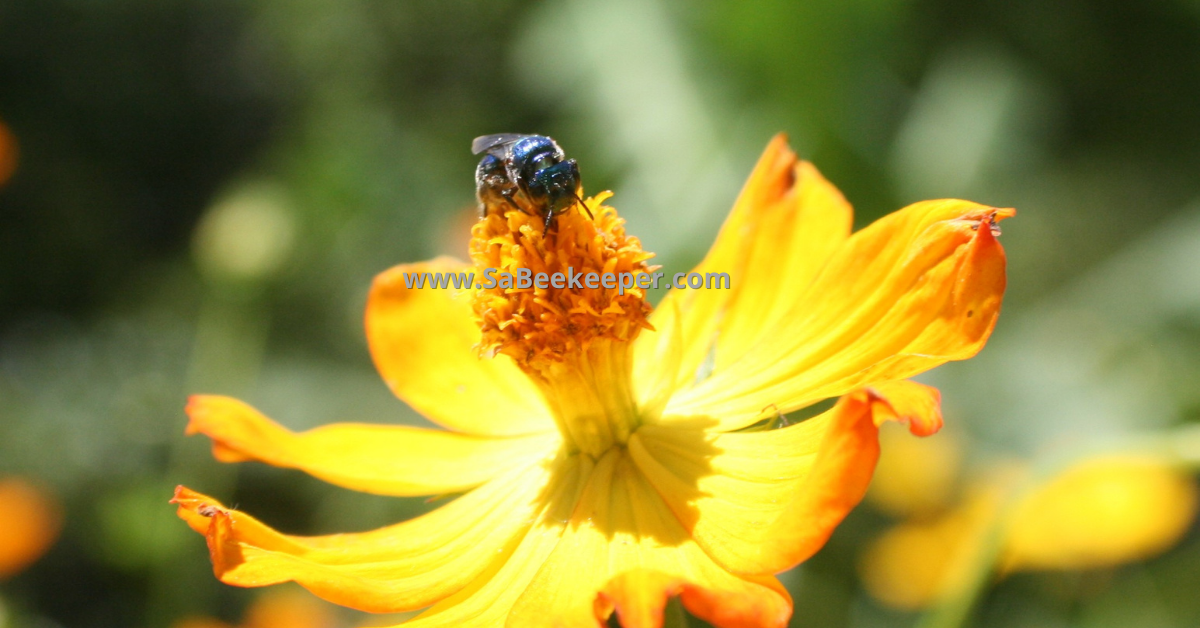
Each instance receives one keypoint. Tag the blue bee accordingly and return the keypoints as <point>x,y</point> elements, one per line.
<point>526,172</point>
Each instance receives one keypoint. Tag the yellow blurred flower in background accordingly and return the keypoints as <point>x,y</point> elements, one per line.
<point>1098,512</point>
<point>610,457</point>
<point>282,609</point>
<point>915,476</point>
<point>29,523</point>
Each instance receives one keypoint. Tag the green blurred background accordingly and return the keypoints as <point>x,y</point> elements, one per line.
<point>206,188</point>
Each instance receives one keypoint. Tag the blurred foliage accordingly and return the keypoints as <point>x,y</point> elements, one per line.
<point>204,189</point>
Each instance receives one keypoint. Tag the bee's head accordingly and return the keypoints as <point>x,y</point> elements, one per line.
<point>531,154</point>
<point>558,185</point>
<point>542,171</point>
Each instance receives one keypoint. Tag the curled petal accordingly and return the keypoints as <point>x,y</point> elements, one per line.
<point>381,459</point>
<point>913,290</point>
<point>917,405</point>
<point>398,568</point>
<point>762,502</point>
<point>423,343</point>
<point>786,223</point>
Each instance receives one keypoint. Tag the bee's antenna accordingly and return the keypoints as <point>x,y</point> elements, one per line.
<point>584,206</point>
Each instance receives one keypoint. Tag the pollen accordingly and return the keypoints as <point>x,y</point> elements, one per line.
<point>543,326</point>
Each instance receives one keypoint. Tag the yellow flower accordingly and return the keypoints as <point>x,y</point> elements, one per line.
<point>1099,512</point>
<point>285,609</point>
<point>29,524</point>
<point>915,476</point>
<point>604,450</point>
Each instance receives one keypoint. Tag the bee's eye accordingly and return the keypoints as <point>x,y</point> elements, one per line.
<point>543,162</point>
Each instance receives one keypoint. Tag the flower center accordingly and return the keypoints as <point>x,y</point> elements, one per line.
<point>566,306</point>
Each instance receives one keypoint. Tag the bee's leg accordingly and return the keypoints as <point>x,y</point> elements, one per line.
<point>546,225</point>
<point>507,194</point>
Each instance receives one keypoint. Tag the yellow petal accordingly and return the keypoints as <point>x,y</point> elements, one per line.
<point>913,290</point>
<point>401,567</point>
<point>785,224</point>
<point>487,601</point>
<point>382,459</point>
<point>29,523</point>
<point>1103,512</point>
<point>621,533</point>
<point>606,541</point>
<point>639,597</point>
<point>423,342</point>
<point>761,502</point>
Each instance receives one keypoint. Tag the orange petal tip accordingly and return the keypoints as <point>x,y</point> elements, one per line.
<point>916,405</point>
<point>195,509</point>
<point>198,408</point>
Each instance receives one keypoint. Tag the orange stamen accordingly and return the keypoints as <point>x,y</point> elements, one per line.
<point>540,327</point>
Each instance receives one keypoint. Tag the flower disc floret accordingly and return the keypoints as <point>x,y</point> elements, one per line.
<point>540,327</point>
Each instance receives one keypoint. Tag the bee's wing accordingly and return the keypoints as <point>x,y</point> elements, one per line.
<point>486,142</point>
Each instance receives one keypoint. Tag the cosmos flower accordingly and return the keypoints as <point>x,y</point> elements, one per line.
<point>1098,512</point>
<point>610,457</point>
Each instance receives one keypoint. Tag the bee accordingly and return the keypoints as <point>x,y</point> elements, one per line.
<point>529,173</point>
